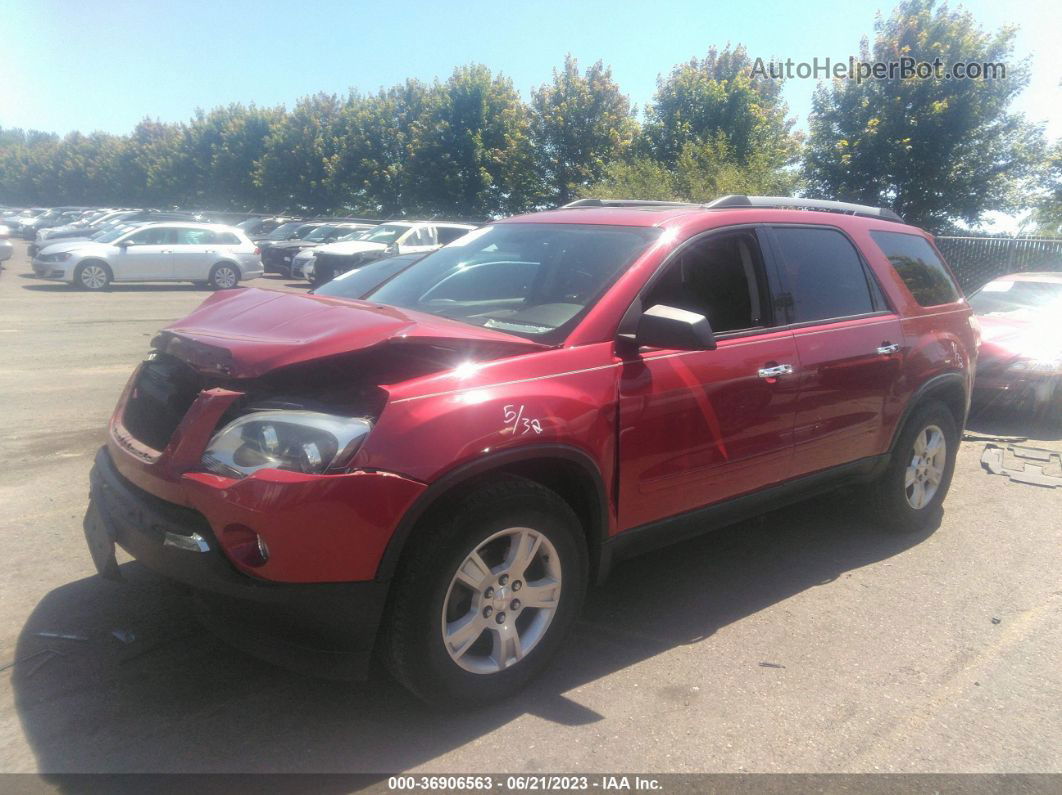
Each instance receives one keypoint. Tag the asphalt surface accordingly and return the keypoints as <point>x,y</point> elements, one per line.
<point>808,640</point>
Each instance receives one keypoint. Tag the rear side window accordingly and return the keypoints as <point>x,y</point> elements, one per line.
<point>227,239</point>
<point>919,267</point>
<point>421,237</point>
<point>824,274</point>
<point>195,237</point>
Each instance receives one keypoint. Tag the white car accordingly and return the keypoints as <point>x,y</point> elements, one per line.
<point>212,254</point>
<point>301,262</point>
<point>6,247</point>
<point>385,240</point>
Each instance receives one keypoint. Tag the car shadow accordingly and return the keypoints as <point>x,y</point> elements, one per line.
<point>1003,420</point>
<point>174,698</point>
<point>119,288</point>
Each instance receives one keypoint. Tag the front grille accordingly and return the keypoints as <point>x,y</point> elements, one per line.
<point>162,395</point>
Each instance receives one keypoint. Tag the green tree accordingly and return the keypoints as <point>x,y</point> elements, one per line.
<point>935,150</point>
<point>638,177</point>
<point>1046,216</point>
<point>374,138</point>
<point>299,155</point>
<point>580,124</point>
<point>225,144</point>
<point>153,166</point>
<point>704,171</point>
<point>470,150</point>
<point>720,96</point>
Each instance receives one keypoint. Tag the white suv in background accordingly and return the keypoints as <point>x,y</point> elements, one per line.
<point>210,254</point>
<point>385,240</point>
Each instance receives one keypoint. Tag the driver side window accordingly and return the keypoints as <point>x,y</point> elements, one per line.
<point>156,236</point>
<point>420,237</point>
<point>721,277</point>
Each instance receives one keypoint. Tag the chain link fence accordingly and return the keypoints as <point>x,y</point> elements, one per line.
<point>977,260</point>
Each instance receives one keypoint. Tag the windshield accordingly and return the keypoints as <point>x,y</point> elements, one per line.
<point>534,280</point>
<point>111,234</point>
<point>284,231</point>
<point>361,281</point>
<point>385,233</point>
<point>321,233</point>
<point>354,234</point>
<point>1017,299</point>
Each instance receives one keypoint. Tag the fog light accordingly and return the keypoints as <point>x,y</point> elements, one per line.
<point>245,546</point>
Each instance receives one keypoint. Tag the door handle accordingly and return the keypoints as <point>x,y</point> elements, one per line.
<point>776,370</point>
<point>166,251</point>
<point>887,347</point>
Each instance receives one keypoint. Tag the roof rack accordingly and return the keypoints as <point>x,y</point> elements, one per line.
<point>736,201</point>
<point>621,203</point>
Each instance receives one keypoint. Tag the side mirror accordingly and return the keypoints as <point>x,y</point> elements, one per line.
<point>391,250</point>
<point>124,243</point>
<point>662,326</point>
<point>330,240</point>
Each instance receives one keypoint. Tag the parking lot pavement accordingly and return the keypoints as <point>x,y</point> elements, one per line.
<point>807,640</point>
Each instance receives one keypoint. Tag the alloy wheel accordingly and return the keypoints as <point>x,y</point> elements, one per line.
<point>926,469</point>
<point>225,277</point>
<point>94,277</point>
<point>501,601</point>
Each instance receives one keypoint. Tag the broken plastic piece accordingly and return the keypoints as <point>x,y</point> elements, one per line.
<point>1033,465</point>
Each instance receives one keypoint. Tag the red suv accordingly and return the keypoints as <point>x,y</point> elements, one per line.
<point>439,470</point>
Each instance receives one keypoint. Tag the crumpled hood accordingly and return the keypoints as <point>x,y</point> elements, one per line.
<point>247,332</point>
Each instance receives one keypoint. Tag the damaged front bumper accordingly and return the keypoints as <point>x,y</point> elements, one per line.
<point>324,628</point>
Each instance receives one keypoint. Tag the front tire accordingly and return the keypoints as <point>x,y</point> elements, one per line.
<point>486,594</point>
<point>910,493</point>
<point>93,276</point>
<point>223,276</point>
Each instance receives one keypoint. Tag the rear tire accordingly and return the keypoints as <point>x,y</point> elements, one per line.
<point>223,276</point>
<point>93,276</point>
<point>457,633</point>
<point>910,493</point>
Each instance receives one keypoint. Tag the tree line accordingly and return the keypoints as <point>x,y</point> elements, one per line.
<point>940,152</point>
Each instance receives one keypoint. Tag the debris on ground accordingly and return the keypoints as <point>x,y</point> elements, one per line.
<point>771,665</point>
<point>976,437</point>
<point>1033,465</point>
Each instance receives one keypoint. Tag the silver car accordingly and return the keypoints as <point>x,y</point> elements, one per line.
<point>6,247</point>
<point>211,254</point>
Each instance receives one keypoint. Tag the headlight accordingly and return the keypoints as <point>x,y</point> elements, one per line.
<point>1051,366</point>
<point>62,256</point>
<point>299,441</point>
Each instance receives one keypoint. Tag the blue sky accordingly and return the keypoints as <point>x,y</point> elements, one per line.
<point>68,64</point>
